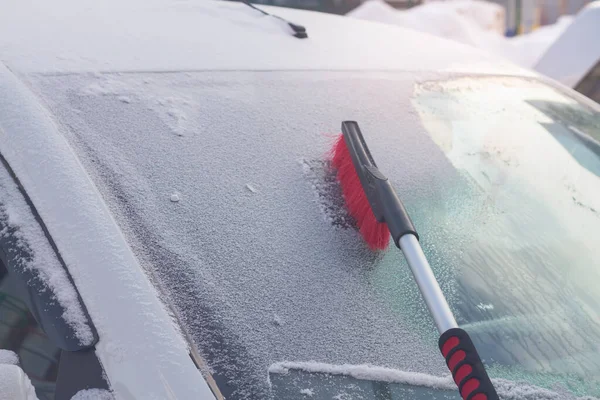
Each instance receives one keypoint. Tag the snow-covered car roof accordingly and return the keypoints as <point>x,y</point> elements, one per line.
<point>160,35</point>
<point>185,143</point>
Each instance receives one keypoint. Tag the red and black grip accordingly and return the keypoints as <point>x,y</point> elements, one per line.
<point>466,366</point>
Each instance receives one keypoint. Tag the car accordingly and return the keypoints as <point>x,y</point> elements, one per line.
<point>172,227</point>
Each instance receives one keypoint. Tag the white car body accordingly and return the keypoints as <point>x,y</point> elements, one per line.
<point>142,350</point>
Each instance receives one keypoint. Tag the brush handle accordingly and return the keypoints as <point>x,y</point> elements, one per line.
<point>428,285</point>
<point>456,346</point>
<point>466,367</point>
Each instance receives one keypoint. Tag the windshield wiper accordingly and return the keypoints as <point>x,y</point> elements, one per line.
<point>299,30</point>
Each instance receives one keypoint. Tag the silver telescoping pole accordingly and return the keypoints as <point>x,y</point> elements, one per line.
<point>430,289</point>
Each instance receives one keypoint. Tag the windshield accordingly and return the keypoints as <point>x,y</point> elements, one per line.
<point>221,182</point>
<point>526,216</point>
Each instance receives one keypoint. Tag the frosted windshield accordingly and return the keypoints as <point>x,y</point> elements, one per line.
<point>527,222</point>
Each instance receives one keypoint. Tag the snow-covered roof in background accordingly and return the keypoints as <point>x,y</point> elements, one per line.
<point>471,22</point>
<point>572,56</point>
<point>527,49</point>
<point>159,35</point>
<point>461,20</point>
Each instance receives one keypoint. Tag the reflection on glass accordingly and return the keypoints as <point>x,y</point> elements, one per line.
<point>527,228</point>
<point>20,333</point>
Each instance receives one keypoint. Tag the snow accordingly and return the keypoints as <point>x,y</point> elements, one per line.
<point>93,394</point>
<point>140,348</point>
<point>490,17</point>
<point>528,49</point>
<point>575,52</point>
<point>342,396</point>
<point>161,35</point>
<point>475,23</point>
<point>277,320</point>
<point>229,272</point>
<point>230,261</point>
<point>14,384</point>
<point>307,392</point>
<point>8,357</point>
<point>463,21</point>
<point>506,389</point>
<point>482,306</point>
<point>18,216</point>
<point>368,372</point>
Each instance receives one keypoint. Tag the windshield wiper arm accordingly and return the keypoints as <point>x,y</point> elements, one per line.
<point>299,30</point>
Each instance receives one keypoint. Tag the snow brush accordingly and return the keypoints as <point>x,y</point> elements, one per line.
<point>372,201</point>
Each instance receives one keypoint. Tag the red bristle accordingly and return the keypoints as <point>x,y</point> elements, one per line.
<point>376,234</point>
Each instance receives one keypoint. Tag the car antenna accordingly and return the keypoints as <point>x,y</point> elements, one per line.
<point>299,30</point>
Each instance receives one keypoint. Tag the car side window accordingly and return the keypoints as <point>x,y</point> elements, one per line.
<point>57,355</point>
<point>20,333</point>
<point>56,374</point>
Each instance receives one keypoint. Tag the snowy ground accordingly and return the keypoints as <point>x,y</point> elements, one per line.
<point>473,22</point>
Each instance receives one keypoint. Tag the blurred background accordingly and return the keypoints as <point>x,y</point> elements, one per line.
<point>520,15</point>
<point>558,38</point>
